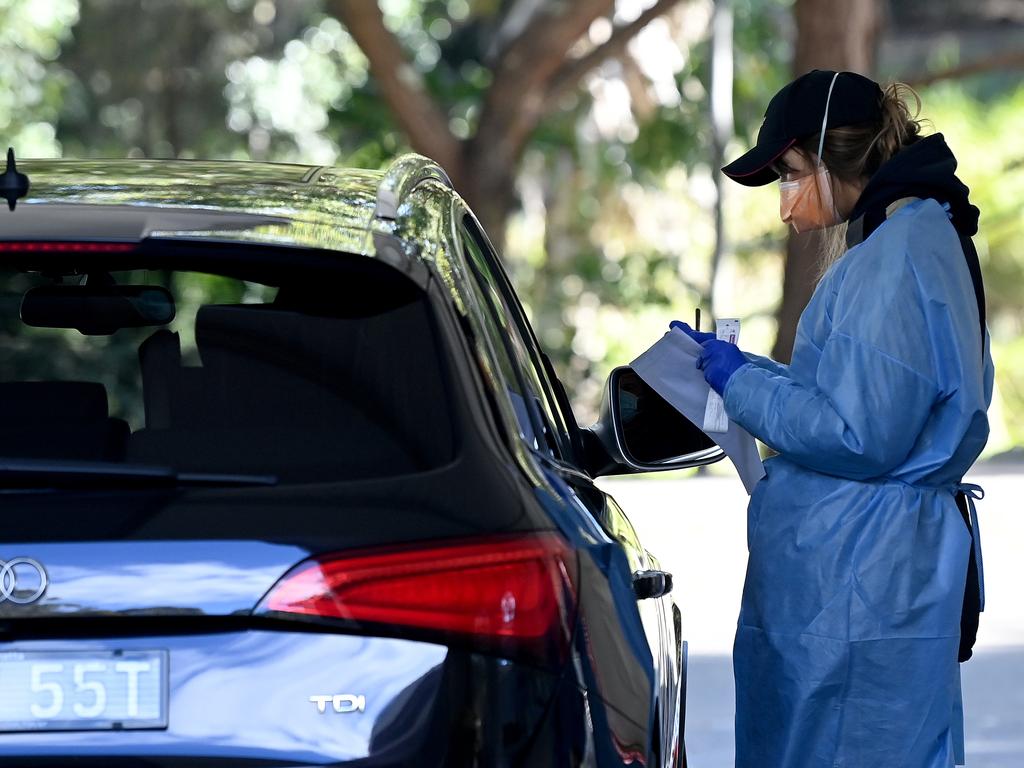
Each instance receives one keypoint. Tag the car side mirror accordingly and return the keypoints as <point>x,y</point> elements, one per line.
<point>639,431</point>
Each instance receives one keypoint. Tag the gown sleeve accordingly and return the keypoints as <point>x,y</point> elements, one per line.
<point>779,369</point>
<point>861,412</point>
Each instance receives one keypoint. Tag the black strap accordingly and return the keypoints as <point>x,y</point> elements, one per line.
<point>970,614</point>
<point>974,267</point>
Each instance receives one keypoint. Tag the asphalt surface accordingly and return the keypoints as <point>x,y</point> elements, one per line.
<point>697,528</point>
<point>993,683</point>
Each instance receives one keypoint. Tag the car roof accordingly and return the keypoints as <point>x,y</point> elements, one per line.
<point>266,203</point>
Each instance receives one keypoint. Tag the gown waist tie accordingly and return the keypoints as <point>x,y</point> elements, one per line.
<point>972,493</point>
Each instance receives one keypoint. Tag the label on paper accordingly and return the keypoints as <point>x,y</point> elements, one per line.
<point>715,418</point>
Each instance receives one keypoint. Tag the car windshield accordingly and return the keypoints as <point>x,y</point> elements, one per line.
<point>252,382</point>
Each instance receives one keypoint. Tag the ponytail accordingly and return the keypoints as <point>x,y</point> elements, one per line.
<point>899,126</point>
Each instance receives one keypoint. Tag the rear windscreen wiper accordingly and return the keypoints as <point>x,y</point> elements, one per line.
<point>29,473</point>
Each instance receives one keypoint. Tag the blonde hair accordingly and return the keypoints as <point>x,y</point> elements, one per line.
<point>854,153</point>
<point>832,247</point>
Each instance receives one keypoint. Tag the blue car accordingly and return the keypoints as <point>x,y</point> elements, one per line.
<point>287,480</point>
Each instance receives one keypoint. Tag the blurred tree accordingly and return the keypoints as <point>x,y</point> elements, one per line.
<point>33,84</point>
<point>607,167</point>
<point>722,126</point>
<point>149,77</point>
<point>983,129</point>
<point>622,108</point>
<point>529,54</point>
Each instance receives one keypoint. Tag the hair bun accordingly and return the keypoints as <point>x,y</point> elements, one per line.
<point>899,126</point>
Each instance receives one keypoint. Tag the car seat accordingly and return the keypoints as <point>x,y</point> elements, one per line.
<point>59,420</point>
<point>292,394</point>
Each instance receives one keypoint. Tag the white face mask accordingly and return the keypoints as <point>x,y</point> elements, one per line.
<point>808,202</point>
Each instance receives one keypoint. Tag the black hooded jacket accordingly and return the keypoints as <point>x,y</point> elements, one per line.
<point>925,169</point>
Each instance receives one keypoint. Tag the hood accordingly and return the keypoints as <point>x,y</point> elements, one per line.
<point>925,169</point>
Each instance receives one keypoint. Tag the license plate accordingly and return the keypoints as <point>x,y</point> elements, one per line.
<point>82,690</point>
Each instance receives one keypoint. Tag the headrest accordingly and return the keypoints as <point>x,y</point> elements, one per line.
<point>269,332</point>
<point>240,317</point>
<point>30,403</point>
<point>248,327</point>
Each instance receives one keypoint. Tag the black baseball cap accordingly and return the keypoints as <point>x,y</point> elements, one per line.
<point>796,112</point>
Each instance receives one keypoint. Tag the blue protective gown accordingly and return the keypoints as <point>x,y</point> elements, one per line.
<point>846,647</point>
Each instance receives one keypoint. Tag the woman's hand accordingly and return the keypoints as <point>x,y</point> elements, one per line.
<point>697,336</point>
<point>720,360</point>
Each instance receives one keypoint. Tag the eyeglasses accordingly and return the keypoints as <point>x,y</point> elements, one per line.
<point>789,174</point>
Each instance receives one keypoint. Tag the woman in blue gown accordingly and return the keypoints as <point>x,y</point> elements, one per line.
<point>846,652</point>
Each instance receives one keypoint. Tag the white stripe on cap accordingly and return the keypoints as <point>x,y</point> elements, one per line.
<point>824,120</point>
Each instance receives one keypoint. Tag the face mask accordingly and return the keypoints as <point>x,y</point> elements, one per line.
<point>808,203</point>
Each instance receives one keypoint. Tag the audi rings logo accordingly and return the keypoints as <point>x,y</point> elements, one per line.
<point>22,580</point>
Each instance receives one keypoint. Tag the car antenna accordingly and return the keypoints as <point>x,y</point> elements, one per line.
<point>12,184</point>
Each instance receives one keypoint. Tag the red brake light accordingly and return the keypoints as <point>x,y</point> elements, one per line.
<point>518,588</point>
<point>35,246</point>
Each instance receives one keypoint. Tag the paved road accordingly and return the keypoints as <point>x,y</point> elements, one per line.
<point>697,528</point>
<point>993,701</point>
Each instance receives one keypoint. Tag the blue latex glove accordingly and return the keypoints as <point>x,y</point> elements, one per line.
<point>699,336</point>
<point>720,360</point>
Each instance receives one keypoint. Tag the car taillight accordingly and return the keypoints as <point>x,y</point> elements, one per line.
<point>504,592</point>
<point>64,246</point>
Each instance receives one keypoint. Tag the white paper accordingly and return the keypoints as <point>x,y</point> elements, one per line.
<point>670,369</point>
<point>715,419</point>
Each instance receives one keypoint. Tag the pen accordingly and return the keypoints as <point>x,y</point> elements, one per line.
<point>696,321</point>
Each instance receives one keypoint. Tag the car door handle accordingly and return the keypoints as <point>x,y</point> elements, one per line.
<point>647,584</point>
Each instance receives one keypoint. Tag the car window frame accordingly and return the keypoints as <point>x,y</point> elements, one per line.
<point>565,429</point>
<point>541,431</point>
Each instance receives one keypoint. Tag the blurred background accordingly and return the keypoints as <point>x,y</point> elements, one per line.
<point>586,135</point>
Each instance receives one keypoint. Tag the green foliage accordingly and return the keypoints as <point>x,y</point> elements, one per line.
<point>1009,357</point>
<point>983,128</point>
<point>614,232</point>
<point>985,136</point>
<point>252,78</point>
<point>32,82</point>
<point>149,78</point>
<point>762,55</point>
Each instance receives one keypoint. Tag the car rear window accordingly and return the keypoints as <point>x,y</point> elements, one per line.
<point>336,377</point>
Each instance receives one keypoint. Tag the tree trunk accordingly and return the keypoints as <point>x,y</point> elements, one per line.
<point>488,186</point>
<point>721,130</point>
<point>532,69</point>
<point>829,35</point>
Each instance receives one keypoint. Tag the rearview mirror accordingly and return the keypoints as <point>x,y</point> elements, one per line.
<point>639,431</point>
<point>96,310</point>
